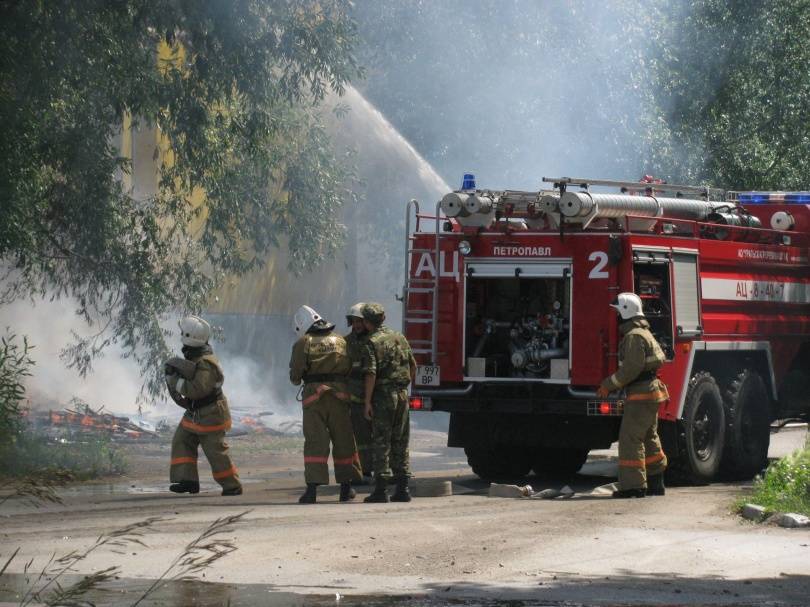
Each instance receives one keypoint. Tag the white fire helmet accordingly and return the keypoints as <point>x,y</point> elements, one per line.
<point>194,331</point>
<point>304,318</point>
<point>628,305</point>
<point>356,311</point>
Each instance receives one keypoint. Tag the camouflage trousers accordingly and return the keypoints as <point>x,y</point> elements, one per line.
<point>640,452</point>
<point>203,428</point>
<point>328,420</point>
<point>362,436</point>
<point>391,431</point>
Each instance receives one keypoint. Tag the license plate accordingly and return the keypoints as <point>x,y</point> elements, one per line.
<point>427,375</point>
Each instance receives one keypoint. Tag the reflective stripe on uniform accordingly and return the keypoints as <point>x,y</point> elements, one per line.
<point>189,425</point>
<point>316,459</point>
<point>225,473</point>
<point>183,460</point>
<point>319,392</point>
<point>655,395</point>
<point>632,463</point>
<point>347,461</point>
<point>654,458</point>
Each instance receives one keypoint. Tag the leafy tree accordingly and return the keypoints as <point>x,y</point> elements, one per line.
<point>15,366</point>
<point>735,89</point>
<point>236,105</point>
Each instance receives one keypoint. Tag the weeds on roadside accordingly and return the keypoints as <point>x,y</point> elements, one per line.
<point>35,489</point>
<point>84,456</point>
<point>46,587</point>
<point>785,486</point>
<point>199,554</point>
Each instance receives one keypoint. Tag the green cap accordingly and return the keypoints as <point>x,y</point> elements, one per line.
<point>374,313</point>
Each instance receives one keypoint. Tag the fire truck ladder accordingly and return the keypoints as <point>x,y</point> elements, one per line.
<point>427,315</point>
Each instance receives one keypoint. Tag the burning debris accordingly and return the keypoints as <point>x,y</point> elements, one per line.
<point>264,422</point>
<point>83,419</point>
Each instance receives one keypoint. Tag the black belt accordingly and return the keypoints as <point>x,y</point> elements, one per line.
<point>204,401</point>
<point>324,377</point>
<point>646,376</point>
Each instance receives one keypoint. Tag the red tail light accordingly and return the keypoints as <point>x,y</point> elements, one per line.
<point>604,408</point>
<point>417,403</point>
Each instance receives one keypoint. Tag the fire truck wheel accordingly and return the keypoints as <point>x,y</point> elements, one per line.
<point>748,433</point>
<point>703,433</point>
<point>558,462</point>
<point>498,463</point>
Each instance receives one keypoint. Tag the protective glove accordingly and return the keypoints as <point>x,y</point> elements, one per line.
<point>182,367</point>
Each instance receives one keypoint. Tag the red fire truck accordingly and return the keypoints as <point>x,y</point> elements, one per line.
<point>506,304</point>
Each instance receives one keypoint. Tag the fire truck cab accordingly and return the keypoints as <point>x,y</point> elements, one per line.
<point>506,305</point>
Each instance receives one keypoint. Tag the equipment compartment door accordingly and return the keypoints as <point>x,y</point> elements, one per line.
<point>517,321</point>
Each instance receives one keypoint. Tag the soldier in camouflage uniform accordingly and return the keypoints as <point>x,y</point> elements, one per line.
<point>357,344</point>
<point>320,360</point>
<point>195,383</point>
<point>391,371</point>
<point>641,459</point>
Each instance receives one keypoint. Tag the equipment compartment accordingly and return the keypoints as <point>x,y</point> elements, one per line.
<point>517,327</point>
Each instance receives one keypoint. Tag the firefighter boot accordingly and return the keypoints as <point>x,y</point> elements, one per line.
<point>401,494</point>
<point>310,495</point>
<point>234,491</point>
<point>625,493</point>
<point>185,487</point>
<point>655,485</point>
<point>378,496</point>
<point>347,494</point>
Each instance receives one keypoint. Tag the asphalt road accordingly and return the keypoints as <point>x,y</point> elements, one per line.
<point>687,548</point>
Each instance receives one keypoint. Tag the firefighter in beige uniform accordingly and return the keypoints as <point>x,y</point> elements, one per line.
<point>357,343</point>
<point>195,383</point>
<point>641,459</point>
<point>320,360</point>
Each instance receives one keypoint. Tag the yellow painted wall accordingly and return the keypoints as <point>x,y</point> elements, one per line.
<point>269,291</point>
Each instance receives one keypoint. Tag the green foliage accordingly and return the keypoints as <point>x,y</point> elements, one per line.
<point>714,91</point>
<point>15,366</point>
<point>237,107</point>
<point>785,487</point>
<point>81,457</point>
<point>735,89</point>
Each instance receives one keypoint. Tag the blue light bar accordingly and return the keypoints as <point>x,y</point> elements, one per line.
<point>468,182</point>
<point>754,197</point>
<point>797,198</point>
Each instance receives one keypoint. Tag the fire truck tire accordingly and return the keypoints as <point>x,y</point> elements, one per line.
<point>702,433</point>
<point>552,462</point>
<point>748,429</point>
<point>498,463</point>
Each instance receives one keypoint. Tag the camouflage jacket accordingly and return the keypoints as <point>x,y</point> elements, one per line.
<point>320,359</point>
<point>391,357</point>
<point>639,357</point>
<point>360,354</point>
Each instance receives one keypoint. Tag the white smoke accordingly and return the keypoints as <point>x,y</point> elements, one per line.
<point>115,382</point>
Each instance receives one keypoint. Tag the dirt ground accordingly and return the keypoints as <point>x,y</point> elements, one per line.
<point>685,548</point>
